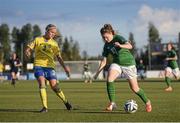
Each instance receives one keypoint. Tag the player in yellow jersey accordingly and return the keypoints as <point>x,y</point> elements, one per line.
<point>1,71</point>
<point>46,49</point>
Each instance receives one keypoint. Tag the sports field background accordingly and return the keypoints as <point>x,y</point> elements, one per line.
<point>89,101</point>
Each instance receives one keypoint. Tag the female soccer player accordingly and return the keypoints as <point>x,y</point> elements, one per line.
<point>123,61</point>
<point>172,66</point>
<point>46,49</point>
<point>15,63</point>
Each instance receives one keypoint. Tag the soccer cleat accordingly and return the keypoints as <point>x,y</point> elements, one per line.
<point>169,89</point>
<point>43,110</point>
<point>112,106</point>
<point>68,106</point>
<point>148,107</point>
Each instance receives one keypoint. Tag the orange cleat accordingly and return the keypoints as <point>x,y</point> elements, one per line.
<point>112,106</point>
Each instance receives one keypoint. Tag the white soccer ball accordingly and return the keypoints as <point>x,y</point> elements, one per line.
<point>130,106</point>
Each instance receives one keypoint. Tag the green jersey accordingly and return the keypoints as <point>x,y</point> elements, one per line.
<point>171,63</point>
<point>121,56</point>
<point>141,66</point>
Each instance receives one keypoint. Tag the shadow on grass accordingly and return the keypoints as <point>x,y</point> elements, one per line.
<point>32,110</point>
<point>102,111</point>
<point>75,110</point>
<point>19,110</point>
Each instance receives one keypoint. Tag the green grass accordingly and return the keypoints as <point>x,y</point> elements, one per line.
<point>89,100</point>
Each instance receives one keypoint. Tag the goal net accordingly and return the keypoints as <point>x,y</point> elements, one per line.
<point>76,69</point>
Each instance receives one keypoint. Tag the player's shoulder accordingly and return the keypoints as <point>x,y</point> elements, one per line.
<point>119,38</point>
<point>37,39</point>
<point>173,51</point>
<point>54,42</point>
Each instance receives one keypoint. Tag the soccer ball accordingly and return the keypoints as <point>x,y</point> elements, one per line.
<point>130,106</point>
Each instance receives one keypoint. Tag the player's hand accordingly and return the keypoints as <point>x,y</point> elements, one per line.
<point>28,54</point>
<point>68,74</point>
<point>117,44</point>
<point>67,71</point>
<point>167,59</point>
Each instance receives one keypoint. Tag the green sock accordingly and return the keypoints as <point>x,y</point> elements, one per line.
<point>111,91</point>
<point>142,95</point>
<point>168,81</point>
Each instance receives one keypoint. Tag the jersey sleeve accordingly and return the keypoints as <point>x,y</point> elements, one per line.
<point>105,51</point>
<point>122,39</point>
<point>56,50</point>
<point>173,53</point>
<point>31,45</point>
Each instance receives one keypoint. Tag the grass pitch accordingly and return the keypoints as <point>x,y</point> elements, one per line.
<point>22,103</point>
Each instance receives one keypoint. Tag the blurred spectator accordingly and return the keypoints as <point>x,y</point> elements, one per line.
<point>141,70</point>
<point>87,75</point>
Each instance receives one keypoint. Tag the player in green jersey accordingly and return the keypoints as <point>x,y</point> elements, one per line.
<point>123,62</point>
<point>172,66</point>
<point>141,69</point>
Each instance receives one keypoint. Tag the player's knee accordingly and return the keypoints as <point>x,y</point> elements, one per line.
<point>56,88</point>
<point>135,90</point>
<point>42,86</point>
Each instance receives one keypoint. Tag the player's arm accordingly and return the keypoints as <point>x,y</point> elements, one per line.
<point>126,45</point>
<point>28,51</point>
<point>171,58</point>
<point>61,61</point>
<point>101,66</point>
<point>29,48</point>
<point>19,64</point>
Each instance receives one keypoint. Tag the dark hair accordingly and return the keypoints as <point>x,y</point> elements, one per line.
<point>107,28</point>
<point>171,45</point>
<point>50,26</point>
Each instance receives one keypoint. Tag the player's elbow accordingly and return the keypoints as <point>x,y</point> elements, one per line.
<point>130,46</point>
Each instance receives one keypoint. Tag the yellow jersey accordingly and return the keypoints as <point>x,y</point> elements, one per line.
<point>45,51</point>
<point>1,67</point>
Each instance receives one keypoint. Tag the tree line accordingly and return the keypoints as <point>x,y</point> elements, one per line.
<point>70,48</point>
<point>19,37</point>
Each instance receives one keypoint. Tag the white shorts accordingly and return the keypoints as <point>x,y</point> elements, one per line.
<point>175,71</point>
<point>130,72</point>
<point>87,74</point>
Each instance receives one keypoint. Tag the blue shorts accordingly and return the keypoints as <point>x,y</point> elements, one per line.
<point>48,73</point>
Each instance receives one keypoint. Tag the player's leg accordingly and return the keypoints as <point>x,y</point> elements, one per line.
<point>39,74</point>
<point>13,79</point>
<point>140,92</point>
<point>51,76</point>
<point>131,74</point>
<point>43,93</point>
<point>142,74</point>
<point>168,72</point>
<point>176,73</point>
<point>89,77</point>
<point>55,87</point>
<point>85,77</point>
<point>113,73</point>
